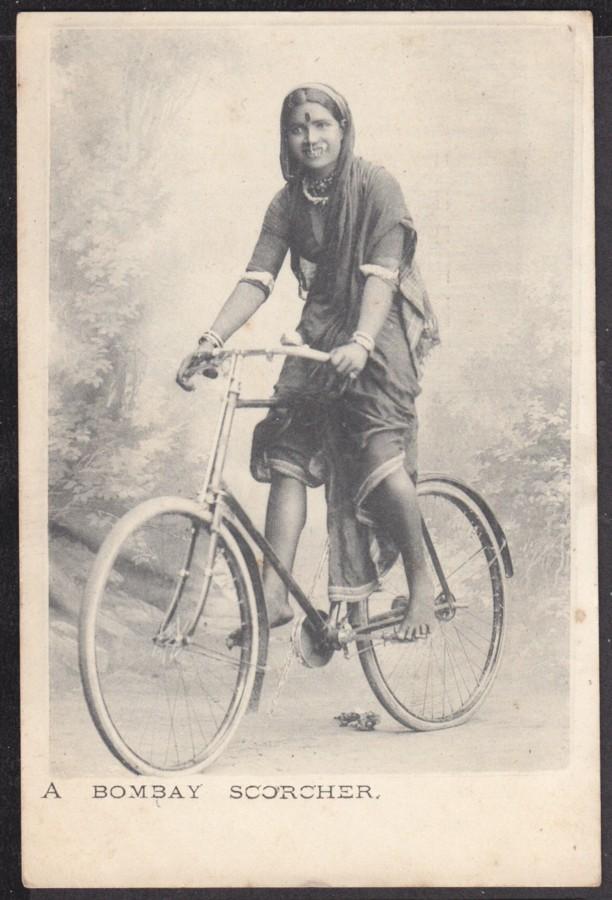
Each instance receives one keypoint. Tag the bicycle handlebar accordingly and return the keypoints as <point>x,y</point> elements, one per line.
<point>302,351</point>
<point>209,366</point>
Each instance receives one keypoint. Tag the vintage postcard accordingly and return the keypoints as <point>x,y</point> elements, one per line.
<point>307,430</point>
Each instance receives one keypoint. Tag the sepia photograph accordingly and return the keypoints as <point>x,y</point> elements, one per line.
<point>308,448</point>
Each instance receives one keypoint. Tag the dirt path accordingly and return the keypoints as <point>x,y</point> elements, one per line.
<point>522,724</point>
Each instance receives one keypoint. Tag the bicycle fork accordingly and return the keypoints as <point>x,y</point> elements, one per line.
<point>208,497</point>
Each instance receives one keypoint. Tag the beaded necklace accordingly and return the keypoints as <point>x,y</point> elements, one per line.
<point>317,189</point>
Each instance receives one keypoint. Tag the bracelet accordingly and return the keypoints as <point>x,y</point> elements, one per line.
<point>213,338</point>
<point>364,340</point>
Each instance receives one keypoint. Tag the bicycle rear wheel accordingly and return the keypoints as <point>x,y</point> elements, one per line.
<point>440,681</point>
<point>165,700</point>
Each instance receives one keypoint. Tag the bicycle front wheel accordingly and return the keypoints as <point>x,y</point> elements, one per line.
<point>440,681</point>
<point>166,697</point>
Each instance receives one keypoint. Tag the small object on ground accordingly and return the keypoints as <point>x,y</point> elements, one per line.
<point>366,721</point>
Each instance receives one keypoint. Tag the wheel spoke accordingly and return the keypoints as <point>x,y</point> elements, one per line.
<point>472,556</point>
<point>171,732</point>
<point>453,669</point>
<point>476,635</point>
<point>207,699</point>
<point>166,706</point>
<point>459,669</point>
<point>465,653</point>
<point>214,655</point>
<point>188,711</point>
<point>484,621</point>
<point>442,681</point>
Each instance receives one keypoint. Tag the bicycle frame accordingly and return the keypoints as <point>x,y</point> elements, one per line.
<point>171,665</point>
<point>218,500</point>
<point>214,495</point>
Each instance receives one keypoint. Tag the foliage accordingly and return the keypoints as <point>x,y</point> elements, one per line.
<point>499,414</point>
<point>107,215</point>
<point>500,419</point>
<point>527,481</point>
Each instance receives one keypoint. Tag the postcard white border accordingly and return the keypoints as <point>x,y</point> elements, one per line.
<point>529,828</point>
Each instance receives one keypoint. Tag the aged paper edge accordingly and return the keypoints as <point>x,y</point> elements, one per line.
<point>65,846</point>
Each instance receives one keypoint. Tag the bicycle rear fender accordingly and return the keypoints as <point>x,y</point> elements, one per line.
<point>239,535</point>
<point>485,509</point>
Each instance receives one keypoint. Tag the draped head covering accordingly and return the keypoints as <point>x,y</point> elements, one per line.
<point>338,220</point>
<point>336,104</point>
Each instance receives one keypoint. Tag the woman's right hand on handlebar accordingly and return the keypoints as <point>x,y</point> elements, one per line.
<point>194,363</point>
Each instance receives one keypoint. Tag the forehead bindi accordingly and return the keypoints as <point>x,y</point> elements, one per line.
<point>309,112</point>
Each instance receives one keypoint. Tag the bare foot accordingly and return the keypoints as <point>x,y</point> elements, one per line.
<point>277,617</point>
<point>420,616</point>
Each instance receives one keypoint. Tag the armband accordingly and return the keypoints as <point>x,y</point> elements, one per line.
<point>264,280</point>
<point>389,276</point>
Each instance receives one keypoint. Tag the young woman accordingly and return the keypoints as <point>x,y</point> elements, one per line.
<point>350,425</point>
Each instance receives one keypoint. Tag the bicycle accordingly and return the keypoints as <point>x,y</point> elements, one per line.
<point>175,581</point>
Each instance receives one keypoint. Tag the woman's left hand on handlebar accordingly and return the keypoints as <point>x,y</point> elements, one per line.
<point>191,364</point>
<point>349,359</point>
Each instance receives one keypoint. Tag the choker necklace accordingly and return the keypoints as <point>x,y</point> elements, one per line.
<point>317,189</point>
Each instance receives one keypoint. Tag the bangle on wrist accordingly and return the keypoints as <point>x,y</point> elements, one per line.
<point>364,340</point>
<point>213,338</point>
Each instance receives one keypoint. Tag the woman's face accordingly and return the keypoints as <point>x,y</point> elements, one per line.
<point>314,137</point>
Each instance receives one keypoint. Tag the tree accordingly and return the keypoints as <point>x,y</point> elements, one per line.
<point>107,213</point>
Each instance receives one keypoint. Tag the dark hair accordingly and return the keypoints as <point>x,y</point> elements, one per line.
<point>309,95</point>
<point>332,101</point>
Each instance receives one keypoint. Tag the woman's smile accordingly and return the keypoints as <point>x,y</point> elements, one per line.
<point>314,152</point>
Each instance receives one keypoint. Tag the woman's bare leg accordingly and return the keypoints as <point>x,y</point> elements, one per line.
<point>285,519</point>
<point>394,502</point>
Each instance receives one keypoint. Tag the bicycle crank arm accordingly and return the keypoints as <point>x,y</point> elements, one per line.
<point>384,620</point>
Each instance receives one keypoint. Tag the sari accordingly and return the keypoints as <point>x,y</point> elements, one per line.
<point>347,435</point>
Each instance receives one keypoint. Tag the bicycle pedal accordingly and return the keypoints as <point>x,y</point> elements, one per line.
<point>420,633</point>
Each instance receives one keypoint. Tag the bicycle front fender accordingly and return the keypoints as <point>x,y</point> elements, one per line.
<point>485,509</point>
<point>240,536</point>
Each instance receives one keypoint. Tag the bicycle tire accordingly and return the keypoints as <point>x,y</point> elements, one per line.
<point>162,706</point>
<point>468,646</point>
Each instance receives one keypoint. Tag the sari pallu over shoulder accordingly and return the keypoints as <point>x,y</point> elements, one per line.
<point>372,205</point>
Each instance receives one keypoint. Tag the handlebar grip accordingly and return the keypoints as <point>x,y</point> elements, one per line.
<point>210,372</point>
